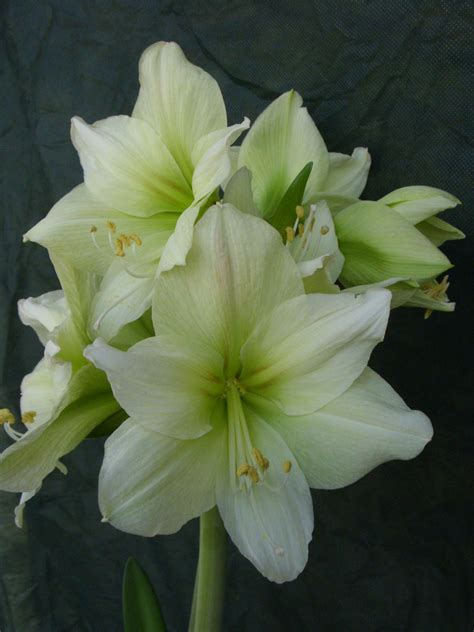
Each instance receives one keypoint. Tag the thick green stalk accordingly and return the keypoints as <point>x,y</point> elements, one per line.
<point>208,598</point>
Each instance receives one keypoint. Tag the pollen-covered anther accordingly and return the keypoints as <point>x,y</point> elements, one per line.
<point>125,239</point>
<point>135,238</point>
<point>253,474</point>
<point>28,417</point>
<point>299,210</point>
<point>261,461</point>
<point>243,469</point>
<point>6,416</point>
<point>111,226</point>
<point>324,230</point>
<point>119,251</point>
<point>287,466</point>
<point>290,234</point>
<point>93,229</point>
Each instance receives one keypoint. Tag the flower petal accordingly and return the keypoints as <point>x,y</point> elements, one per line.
<point>238,192</point>
<point>280,143</point>
<point>348,174</point>
<point>122,298</point>
<point>179,100</point>
<point>417,203</point>
<point>366,426</point>
<point>215,166</point>
<point>167,385</point>
<point>83,231</point>
<point>127,166</point>
<point>43,389</point>
<point>438,231</point>
<point>25,464</point>
<point>237,271</point>
<point>271,523</point>
<point>378,244</point>
<point>180,242</point>
<point>311,348</point>
<point>44,313</point>
<point>151,484</point>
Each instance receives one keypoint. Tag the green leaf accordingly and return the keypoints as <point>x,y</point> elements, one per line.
<point>285,212</point>
<point>141,610</point>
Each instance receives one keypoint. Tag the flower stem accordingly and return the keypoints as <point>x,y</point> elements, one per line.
<point>208,598</point>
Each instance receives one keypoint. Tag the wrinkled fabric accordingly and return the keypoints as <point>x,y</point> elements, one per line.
<point>394,551</point>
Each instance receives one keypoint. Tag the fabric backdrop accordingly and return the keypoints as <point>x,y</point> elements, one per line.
<point>391,553</point>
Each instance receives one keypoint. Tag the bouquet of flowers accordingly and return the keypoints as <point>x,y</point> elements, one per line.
<point>219,304</point>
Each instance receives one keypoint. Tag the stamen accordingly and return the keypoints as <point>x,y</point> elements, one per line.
<point>111,226</point>
<point>299,212</point>
<point>287,466</point>
<point>134,237</point>
<point>301,230</point>
<point>93,229</point>
<point>243,469</point>
<point>290,233</point>
<point>6,416</point>
<point>324,230</point>
<point>253,474</point>
<point>125,239</point>
<point>261,461</point>
<point>119,251</point>
<point>28,417</point>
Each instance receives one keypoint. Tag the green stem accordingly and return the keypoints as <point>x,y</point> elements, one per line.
<point>208,598</point>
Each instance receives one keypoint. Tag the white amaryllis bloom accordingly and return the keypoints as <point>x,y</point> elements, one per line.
<point>252,392</point>
<point>140,173</point>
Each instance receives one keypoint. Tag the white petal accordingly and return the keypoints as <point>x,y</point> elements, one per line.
<point>366,426</point>
<point>280,143</point>
<point>168,385</point>
<point>151,484</point>
<point>238,192</point>
<point>348,174</point>
<point>127,166</point>
<point>122,298</point>
<point>180,242</point>
<point>42,391</point>
<point>44,313</point>
<point>237,271</point>
<point>76,230</point>
<point>311,349</point>
<point>25,464</point>
<point>179,100</point>
<point>215,166</point>
<point>272,522</point>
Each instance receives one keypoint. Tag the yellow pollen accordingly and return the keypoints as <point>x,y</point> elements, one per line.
<point>243,469</point>
<point>136,239</point>
<point>93,229</point>
<point>299,212</point>
<point>324,230</point>
<point>125,239</point>
<point>6,416</point>
<point>260,459</point>
<point>119,248</point>
<point>300,229</point>
<point>286,466</point>
<point>28,417</point>
<point>290,233</point>
<point>111,226</point>
<point>253,474</point>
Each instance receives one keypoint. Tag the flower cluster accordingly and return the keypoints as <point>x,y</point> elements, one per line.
<point>218,310</point>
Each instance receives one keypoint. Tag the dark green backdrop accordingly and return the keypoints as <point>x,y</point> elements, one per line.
<point>394,551</point>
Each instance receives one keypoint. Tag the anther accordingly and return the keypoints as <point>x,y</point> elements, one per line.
<point>243,469</point>
<point>253,474</point>
<point>111,226</point>
<point>28,417</point>
<point>300,229</point>
<point>136,239</point>
<point>260,459</point>
<point>290,233</point>
<point>6,416</point>
<point>119,248</point>
<point>299,212</point>
<point>125,239</point>
<point>286,466</point>
<point>93,229</point>
<point>324,230</point>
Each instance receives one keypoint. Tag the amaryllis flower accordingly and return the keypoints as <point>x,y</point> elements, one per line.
<point>140,173</point>
<point>251,393</point>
